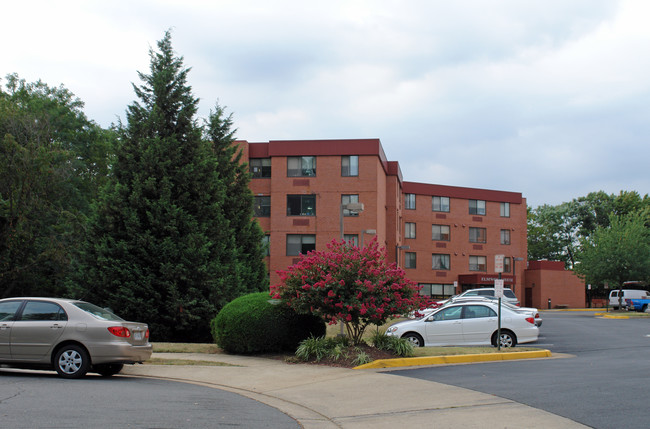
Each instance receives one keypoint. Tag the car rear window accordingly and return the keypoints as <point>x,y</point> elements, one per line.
<point>98,312</point>
<point>508,293</point>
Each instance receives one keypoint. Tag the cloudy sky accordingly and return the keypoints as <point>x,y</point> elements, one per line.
<point>550,98</point>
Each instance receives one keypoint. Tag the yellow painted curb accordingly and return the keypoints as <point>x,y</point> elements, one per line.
<point>610,316</point>
<point>438,360</point>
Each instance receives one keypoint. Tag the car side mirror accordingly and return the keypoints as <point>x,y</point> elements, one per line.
<point>429,319</point>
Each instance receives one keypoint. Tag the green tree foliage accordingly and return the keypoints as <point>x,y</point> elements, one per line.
<point>350,285</point>
<point>555,232</point>
<point>53,160</point>
<point>247,259</point>
<point>551,234</point>
<point>161,246</point>
<point>618,252</point>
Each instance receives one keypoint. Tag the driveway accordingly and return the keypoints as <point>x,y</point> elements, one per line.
<point>603,385</point>
<point>44,400</point>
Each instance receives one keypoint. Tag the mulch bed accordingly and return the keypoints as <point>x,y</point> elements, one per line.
<point>347,359</point>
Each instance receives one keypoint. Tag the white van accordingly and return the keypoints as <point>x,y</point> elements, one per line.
<point>626,294</point>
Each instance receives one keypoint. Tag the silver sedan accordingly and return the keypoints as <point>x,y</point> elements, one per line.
<point>72,337</point>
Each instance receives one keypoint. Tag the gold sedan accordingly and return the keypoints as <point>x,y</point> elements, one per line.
<point>70,336</point>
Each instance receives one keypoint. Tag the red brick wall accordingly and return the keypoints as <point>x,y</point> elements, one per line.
<point>381,190</point>
<point>549,280</point>
<point>460,221</point>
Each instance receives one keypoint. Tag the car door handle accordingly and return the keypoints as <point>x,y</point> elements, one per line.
<point>4,327</point>
<point>56,326</point>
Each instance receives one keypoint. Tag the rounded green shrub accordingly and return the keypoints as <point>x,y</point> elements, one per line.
<point>252,324</point>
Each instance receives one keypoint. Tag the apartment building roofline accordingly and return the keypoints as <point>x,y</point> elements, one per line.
<point>461,192</point>
<point>333,147</point>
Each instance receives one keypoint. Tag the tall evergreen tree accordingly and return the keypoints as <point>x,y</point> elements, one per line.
<point>162,247</point>
<point>238,205</point>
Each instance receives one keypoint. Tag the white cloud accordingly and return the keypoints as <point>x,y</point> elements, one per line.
<point>547,98</point>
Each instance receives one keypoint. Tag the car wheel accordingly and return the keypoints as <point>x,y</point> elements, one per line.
<point>71,361</point>
<point>414,339</point>
<point>108,369</point>
<point>508,339</point>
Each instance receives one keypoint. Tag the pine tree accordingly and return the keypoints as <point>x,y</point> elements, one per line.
<point>162,245</point>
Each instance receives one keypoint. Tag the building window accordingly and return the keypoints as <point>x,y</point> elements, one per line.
<point>477,235</point>
<point>477,207</point>
<point>507,267</point>
<point>409,260</point>
<point>301,205</point>
<point>440,232</point>
<point>349,165</point>
<point>409,230</point>
<point>440,204</point>
<point>435,290</point>
<point>505,236</point>
<point>262,206</point>
<point>409,201</point>
<point>351,239</point>
<point>505,209</point>
<point>477,263</point>
<point>300,244</point>
<point>260,167</point>
<point>301,166</point>
<point>347,199</point>
<point>440,261</point>
<point>266,242</point>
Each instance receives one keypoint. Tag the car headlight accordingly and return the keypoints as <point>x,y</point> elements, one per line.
<point>391,329</point>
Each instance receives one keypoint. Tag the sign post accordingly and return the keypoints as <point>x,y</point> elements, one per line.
<point>498,292</point>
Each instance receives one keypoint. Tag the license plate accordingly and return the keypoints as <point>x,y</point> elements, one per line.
<point>137,335</point>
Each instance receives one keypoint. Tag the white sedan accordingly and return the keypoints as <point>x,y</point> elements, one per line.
<point>468,324</point>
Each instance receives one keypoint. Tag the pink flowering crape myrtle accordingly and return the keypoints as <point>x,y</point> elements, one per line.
<point>350,285</point>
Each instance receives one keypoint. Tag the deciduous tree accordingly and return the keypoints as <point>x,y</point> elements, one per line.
<point>349,285</point>
<point>52,163</point>
<point>618,252</point>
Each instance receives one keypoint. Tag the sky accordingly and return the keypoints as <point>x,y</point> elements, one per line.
<point>549,98</point>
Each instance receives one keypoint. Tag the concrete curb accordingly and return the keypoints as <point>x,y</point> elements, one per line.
<point>453,359</point>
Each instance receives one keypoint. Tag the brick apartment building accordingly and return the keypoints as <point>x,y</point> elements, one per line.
<point>308,192</point>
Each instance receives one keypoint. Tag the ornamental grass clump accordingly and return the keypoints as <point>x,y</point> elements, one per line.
<point>319,348</point>
<point>348,284</point>
<point>398,346</point>
<point>362,358</point>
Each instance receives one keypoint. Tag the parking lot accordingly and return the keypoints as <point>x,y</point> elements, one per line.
<point>599,381</point>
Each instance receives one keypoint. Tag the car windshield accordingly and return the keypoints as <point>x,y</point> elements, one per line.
<point>98,312</point>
